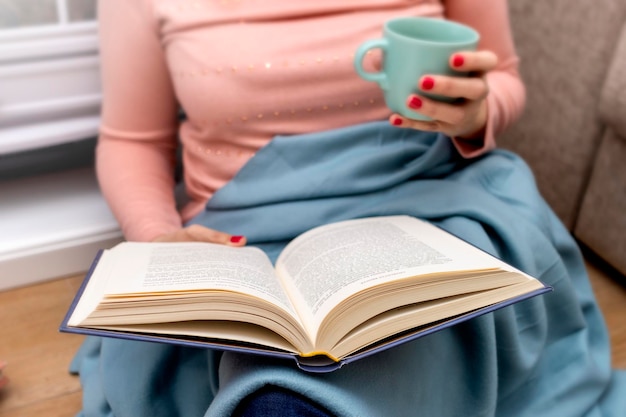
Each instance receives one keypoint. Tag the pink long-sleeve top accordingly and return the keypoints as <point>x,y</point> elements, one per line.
<point>244,71</point>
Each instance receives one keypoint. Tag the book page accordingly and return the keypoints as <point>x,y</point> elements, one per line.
<point>214,331</point>
<point>328,264</point>
<point>93,292</point>
<point>149,268</point>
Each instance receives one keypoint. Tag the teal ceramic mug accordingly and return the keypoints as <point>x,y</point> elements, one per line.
<point>412,47</point>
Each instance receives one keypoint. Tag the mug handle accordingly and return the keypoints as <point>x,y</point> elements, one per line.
<point>378,77</point>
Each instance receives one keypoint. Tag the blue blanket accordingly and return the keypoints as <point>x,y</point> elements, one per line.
<point>548,356</point>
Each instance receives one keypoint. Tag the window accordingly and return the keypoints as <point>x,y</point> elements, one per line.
<point>52,216</point>
<point>25,13</point>
<point>49,75</point>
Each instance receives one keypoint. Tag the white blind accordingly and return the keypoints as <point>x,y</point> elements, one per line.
<point>49,73</point>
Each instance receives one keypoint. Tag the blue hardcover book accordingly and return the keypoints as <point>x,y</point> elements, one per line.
<point>336,294</point>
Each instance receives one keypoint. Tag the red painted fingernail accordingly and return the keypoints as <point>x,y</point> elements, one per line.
<point>428,83</point>
<point>396,121</point>
<point>415,102</point>
<point>458,60</point>
<point>235,239</point>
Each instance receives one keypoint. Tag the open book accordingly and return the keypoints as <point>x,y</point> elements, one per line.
<point>337,293</point>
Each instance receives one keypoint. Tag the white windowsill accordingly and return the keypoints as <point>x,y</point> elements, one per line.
<point>52,225</point>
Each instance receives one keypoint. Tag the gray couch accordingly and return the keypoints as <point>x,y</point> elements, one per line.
<point>573,131</point>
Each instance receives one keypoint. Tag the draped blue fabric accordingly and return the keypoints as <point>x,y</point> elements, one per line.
<point>547,356</point>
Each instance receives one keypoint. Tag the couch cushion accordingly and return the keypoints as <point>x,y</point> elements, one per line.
<point>566,48</point>
<point>602,221</point>
<point>613,101</point>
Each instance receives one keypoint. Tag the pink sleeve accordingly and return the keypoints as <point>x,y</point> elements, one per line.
<point>507,95</point>
<point>137,143</point>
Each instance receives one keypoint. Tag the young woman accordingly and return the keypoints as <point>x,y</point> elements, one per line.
<point>279,135</point>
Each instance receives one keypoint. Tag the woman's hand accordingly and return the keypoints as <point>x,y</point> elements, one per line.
<point>465,118</point>
<point>197,233</point>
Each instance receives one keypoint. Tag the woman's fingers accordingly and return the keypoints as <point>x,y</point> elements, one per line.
<point>427,126</point>
<point>436,110</point>
<point>197,233</point>
<point>458,119</point>
<point>471,88</point>
<point>474,61</point>
<point>204,234</point>
<point>466,114</point>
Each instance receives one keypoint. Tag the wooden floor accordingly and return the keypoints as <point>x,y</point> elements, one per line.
<point>38,355</point>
